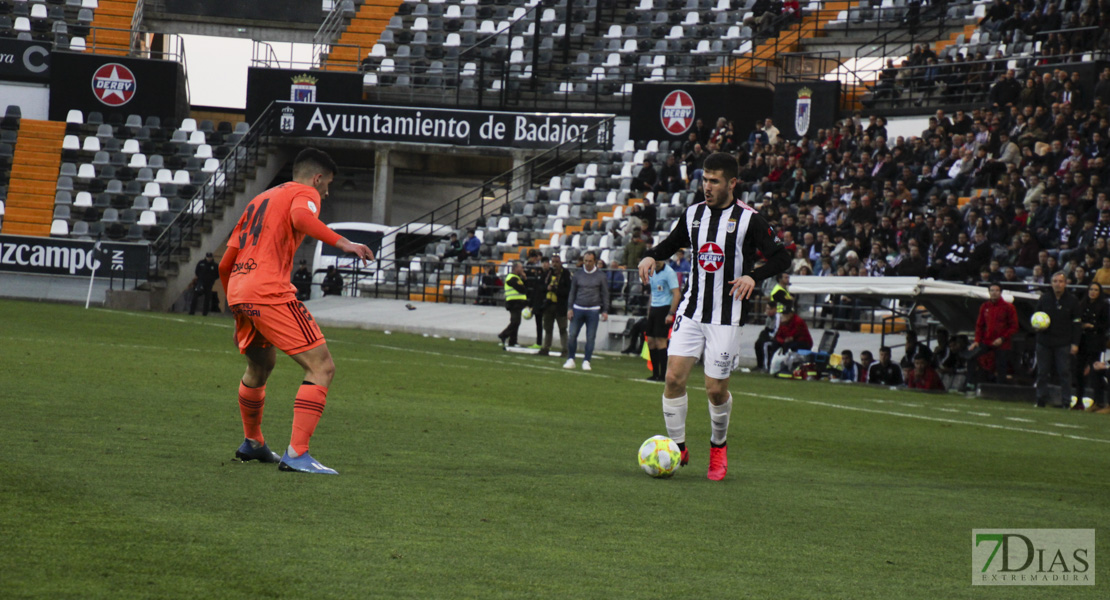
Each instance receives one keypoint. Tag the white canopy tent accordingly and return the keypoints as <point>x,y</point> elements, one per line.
<point>954,305</point>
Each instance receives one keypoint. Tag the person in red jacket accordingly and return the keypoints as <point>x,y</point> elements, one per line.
<point>793,333</point>
<point>996,325</point>
<point>923,377</point>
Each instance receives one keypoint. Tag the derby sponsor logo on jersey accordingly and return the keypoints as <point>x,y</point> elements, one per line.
<point>303,89</point>
<point>114,84</point>
<point>677,112</point>
<point>802,110</point>
<point>711,257</point>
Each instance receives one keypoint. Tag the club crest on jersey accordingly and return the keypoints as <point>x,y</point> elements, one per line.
<point>677,112</point>
<point>710,257</point>
<point>114,84</point>
<point>730,226</point>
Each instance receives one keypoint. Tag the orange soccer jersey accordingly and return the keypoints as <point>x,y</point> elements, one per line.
<point>267,242</point>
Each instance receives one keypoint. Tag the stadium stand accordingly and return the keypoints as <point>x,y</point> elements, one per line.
<point>127,181</point>
<point>964,68</point>
<point>69,23</point>
<point>535,50</point>
<point>31,188</point>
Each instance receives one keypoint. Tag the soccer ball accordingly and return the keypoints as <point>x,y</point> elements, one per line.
<point>526,313</point>
<point>1040,320</point>
<point>1080,403</point>
<point>659,456</point>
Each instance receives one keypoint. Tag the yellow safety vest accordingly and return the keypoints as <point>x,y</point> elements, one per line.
<point>510,292</point>
<point>775,290</point>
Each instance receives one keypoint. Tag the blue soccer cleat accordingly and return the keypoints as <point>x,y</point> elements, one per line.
<point>247,453</point>
<point>305,464</point>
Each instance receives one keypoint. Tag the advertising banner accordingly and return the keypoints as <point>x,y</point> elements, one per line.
<point>801,108</point>
<point>22,60</point>
<point>116,85</point>
<point>670,111</point>
<point>52,256</point>
<point>435,125</point>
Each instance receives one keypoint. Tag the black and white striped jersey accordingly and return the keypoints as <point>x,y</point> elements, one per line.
<point>724,245</point>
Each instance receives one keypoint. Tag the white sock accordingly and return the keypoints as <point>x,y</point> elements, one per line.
<point>291,452</point>
<point>674,416</point>
<point>718,418</point>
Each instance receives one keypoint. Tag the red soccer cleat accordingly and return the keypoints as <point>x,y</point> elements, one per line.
<point>718,462</point>
<point>685,460</point>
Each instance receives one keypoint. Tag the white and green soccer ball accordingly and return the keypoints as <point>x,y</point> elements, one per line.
<point>1040,320</point>
<point>659,456</point>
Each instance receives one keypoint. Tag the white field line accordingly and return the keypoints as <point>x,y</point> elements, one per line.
<point>532,364</point>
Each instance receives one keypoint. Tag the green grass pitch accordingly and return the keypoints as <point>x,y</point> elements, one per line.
<point>469,473</point>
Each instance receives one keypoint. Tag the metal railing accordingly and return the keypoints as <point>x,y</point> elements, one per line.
<point>331,28</point>
<point>136,25</point>
<point>485,74</point>
<point>963,84</point>
<point>208,202</point>
<point>471,208</point>
<point>389,275</point>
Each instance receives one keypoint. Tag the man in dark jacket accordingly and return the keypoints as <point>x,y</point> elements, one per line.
<point>885,372</point>
<point>534,271</point>
<point>333,282</point>
<point>302,280</point>
<point>556,292</point>
<point>1059,341</point>
<point>207,272</point>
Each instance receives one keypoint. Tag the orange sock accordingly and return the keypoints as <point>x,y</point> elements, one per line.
<point>251,402</point>
<point>307,410</point>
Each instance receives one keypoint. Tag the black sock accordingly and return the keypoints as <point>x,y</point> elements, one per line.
<point>681,446</point>
<point>662,363</point>
<point>654,362</point>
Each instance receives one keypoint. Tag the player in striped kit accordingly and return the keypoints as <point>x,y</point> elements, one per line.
<point>727,238</point>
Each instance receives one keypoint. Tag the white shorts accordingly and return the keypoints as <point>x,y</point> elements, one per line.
<point>721,344</point>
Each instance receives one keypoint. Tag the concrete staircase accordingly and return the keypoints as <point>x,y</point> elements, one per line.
<point>111,33</point>
<point>361,34</point>
<point>764,55</point>
<point>38,155</point>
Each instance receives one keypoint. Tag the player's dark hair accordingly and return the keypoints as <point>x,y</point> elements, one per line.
<point>723,162</point>
<point>311,161</point>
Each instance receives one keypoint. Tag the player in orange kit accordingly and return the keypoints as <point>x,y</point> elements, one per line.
<point>256,274</point>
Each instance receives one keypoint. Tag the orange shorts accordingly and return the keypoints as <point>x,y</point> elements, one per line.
<point>289,327</point>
